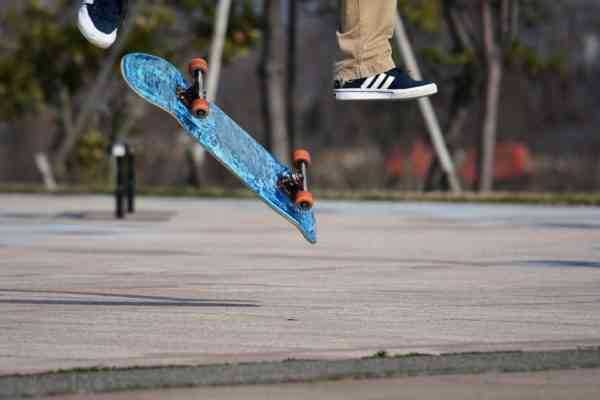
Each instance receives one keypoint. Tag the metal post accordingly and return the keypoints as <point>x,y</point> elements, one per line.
<point>41,161</point>
<point>433,125</point>
<point>216,51</point>
<point>215,64</point>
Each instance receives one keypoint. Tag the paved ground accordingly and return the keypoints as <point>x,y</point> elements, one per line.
<point>574,385</point>
<point>203,281</point>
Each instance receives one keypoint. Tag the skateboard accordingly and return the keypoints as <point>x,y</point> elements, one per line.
<point>283,188</point>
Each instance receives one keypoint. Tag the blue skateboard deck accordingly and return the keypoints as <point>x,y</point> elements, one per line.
<point>157,81</point>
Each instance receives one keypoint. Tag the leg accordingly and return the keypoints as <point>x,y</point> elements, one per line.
<point>365,69</point>
<point>99,20</point>
<point>366,28</point>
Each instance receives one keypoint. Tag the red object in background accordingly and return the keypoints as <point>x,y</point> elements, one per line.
<point>513,161</point>
<point>421,157</point>
<point>394,162</point>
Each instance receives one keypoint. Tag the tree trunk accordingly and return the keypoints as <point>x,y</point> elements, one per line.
<point>493,60</point>
<point>505,17</point>
<point>273,83</point>
<point>291,72</point>
<point>514,19</point>
<point>69,137</point>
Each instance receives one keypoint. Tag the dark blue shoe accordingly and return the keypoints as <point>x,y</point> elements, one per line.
<point>392,85</point>
<point>99,20</point>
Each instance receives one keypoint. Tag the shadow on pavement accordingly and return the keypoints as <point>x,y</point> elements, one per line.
<point>132,300</point>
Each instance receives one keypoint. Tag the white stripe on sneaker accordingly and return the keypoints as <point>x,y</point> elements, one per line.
<point>388,82</point>
<point>386,94</point>
<point>366,83</point>
<point>380,79</point>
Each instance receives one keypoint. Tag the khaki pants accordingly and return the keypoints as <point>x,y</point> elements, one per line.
<point>366,27</point>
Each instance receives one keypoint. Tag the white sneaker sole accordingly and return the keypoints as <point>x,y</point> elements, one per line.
<point>89,31</point>
<point>378,94</point>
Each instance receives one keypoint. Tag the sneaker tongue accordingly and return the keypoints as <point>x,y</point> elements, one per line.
<point>396,72</point>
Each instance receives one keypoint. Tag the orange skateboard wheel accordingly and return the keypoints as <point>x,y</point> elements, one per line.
<point>198,64</point>
<point>305,200</point>
<point>200,108</point>
<point>301,155</point>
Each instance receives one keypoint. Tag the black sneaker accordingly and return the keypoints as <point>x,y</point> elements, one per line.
<point>392,85</point>
<point>99,20</point>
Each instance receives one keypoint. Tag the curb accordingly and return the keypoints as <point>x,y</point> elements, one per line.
<point>148,378</point>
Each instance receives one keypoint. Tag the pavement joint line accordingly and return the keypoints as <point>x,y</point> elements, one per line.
<point>101,380</point>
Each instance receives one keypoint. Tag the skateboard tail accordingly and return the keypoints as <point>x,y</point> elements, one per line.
<point>157,81</point>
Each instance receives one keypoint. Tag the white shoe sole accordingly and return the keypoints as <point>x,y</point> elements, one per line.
<point>378,94</point>
<point>89,31</point>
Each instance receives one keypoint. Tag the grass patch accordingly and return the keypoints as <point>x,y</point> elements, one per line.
<point>573,199</point>
<point>580,199</point>
<point>379,354</point>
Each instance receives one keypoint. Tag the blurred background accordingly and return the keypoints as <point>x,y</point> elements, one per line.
<point>532,90</point>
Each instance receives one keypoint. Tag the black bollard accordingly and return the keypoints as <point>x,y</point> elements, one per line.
<point>120,189</point>
<point>119,151</point>
<point>130,181</point>
<point>126,181</point>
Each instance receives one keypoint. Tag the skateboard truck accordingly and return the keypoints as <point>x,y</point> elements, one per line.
<point>296,184</point>
<point>194,97</point>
